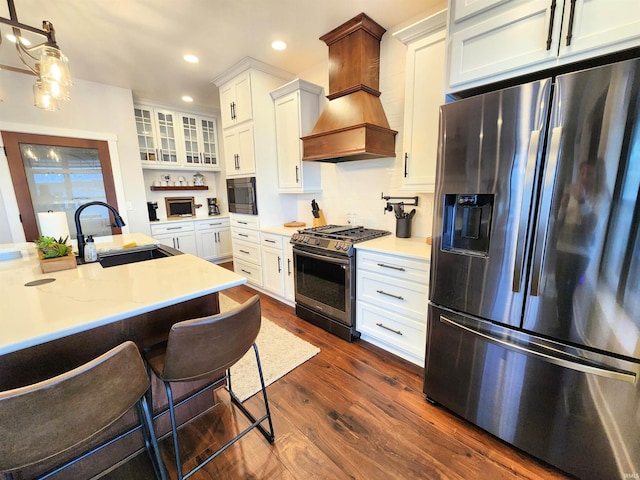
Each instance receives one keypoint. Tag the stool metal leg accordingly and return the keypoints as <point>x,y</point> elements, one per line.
<point>174,429</point>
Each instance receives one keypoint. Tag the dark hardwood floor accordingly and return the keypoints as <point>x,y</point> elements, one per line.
<point>353,411</point>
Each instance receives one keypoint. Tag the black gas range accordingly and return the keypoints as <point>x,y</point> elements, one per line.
<point>335,238</point>
<point>324,262</point>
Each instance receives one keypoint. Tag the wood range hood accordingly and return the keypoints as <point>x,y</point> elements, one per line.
<point>353,126</point>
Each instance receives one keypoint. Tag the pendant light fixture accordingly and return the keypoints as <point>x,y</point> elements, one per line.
<point>45,61</point>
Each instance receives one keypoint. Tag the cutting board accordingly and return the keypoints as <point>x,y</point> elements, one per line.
<point>294,224</point>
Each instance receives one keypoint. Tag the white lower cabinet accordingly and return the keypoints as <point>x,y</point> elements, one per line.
<point>391,308</point>
<point>245,239</point>
<point>213,239</point>
<point>177,235</point>
<point>277,265</point>
<point>272,264</point>
<point>289,282</point>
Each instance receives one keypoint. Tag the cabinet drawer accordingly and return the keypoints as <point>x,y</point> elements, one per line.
<point>247,252</point>
<point>406,298</point>
<point>171,228</point>
<point>270,240</point>
<point>252,272</point>
<point>395,330</point>
<point>242,234</point>
<point>245,221</point>
<point>213,223</point>
<point>394,266</point>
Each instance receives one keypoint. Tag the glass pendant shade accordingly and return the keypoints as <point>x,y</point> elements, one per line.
<point>56,90</point>
<point>54,66</point>
<point>42,98</point>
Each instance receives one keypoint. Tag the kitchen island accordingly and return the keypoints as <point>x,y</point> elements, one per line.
<point>49,328</point>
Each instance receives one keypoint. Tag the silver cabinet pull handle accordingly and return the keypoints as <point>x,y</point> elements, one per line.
<point>391,266</point>
<point>279,268</point>
<point>270,241</point>
<point>245,271</point>
<point>381,325</point>
<point>243,235</point>
<point>244,251</point>
<point>289,266</point>
<point>382,292</point>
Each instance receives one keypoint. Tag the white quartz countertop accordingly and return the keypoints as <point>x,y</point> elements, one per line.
<point>414,247</point>
<point>282,230</point>
<point>90,296</point>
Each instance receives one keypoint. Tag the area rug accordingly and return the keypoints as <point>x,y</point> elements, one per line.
<point>280,352</point>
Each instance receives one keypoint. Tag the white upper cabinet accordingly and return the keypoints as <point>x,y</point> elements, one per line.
<point>168,139</point>
<point>424,93</point>
<point>297,107</point>
<point>599,27</point>
<point>157,136</point>
<point>239,151</point>
<point>235,100</point>
<point>492,40</point>
<point>200,141</point>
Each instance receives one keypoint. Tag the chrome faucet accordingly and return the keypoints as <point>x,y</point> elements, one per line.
<point>118,222</point>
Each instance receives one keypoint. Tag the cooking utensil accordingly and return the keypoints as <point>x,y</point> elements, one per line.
<point>411,213</point>
<point>397,210</point>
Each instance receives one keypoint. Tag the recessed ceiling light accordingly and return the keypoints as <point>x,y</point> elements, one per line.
<point>187,98</point>
<point>278,45</point>
<point>191,58</point>
<point>23,40</point>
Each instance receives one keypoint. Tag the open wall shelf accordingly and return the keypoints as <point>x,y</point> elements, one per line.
<point>201,187</point>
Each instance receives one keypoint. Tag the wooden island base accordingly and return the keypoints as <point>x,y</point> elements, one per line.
<point>43,361</point>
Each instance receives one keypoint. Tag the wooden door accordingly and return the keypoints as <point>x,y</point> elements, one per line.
<point>13,142</point>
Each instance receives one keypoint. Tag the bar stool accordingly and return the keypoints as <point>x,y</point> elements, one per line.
<point>45,419</point>
<point>206,348</point>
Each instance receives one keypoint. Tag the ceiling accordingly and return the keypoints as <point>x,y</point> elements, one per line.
<point>139,44</point>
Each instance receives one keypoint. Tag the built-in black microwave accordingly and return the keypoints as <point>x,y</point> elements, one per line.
<point>241,193</point>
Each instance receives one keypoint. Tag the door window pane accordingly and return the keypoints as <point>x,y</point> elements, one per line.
<point>63,178</point>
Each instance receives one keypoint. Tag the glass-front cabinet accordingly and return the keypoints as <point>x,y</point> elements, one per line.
<point>200,141</point>
<point>168,139</point>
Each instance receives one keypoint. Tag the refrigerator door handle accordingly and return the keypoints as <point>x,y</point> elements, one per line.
<point>534,143</point>
<point>603,371</point>
<point>543,226</point>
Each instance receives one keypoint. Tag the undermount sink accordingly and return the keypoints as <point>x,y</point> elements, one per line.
<point>133,255</point>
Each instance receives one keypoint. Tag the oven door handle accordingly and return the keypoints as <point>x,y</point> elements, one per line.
<point>324,258</point>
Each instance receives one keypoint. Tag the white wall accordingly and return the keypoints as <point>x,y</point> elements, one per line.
<point>95,111</point>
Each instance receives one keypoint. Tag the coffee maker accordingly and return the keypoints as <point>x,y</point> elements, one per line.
<point>152,208</point>
<point>214,209</point>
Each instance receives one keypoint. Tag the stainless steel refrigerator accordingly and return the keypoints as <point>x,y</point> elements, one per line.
<point>534,313</point>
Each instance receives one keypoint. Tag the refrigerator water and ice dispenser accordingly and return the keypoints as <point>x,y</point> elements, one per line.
<point>466,226</point>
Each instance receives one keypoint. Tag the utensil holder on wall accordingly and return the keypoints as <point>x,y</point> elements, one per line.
<point>320,221</point>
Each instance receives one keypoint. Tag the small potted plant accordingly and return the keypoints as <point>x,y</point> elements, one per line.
<point>55,254</point>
